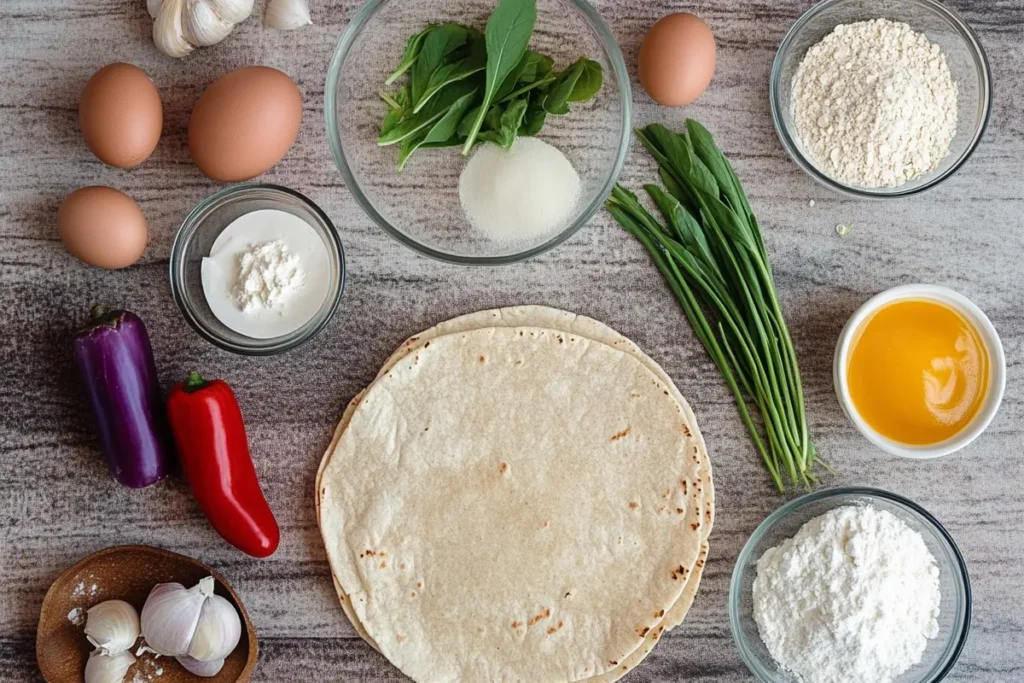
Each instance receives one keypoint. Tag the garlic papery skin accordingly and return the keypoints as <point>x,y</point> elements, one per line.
<point>218,631</point>
<point>108,668</point>
<point>171,615</point>
<point>204,669</point>
<point>182,25</point>
<point>112,626</point>
<point>287,15</point>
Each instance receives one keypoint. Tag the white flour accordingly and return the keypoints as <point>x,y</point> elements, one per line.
<point>874,104</point>
<point>853,597</point>
<point>269,274</point>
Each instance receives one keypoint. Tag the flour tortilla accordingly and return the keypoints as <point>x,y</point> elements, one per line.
<point>365,480</point>
<point>542,316</point>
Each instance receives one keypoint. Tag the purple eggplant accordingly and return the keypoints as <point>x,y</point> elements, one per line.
<point>115,359</point>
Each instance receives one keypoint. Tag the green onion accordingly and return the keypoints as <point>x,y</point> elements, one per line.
<point>709,249</point>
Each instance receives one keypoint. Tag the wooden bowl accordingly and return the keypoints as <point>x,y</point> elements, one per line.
<point>128,573</point>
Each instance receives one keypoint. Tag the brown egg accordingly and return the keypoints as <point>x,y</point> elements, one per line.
<point>244,123</point>
<point>120,115</point>
<point>102,227</point>
<point>677,60</point>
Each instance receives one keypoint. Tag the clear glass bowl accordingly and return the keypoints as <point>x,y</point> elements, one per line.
<point>196,237</point>
<point>964,54</point>
<point>955,607</point>
<point>420,206</point>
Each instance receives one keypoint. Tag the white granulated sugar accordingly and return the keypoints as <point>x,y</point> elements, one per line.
<point>268,275</point>
<point>874,104</point>
<point>523,193</point>
<point>853,597</point>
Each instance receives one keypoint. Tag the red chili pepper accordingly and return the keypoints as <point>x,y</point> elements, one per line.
<point>214,453</point>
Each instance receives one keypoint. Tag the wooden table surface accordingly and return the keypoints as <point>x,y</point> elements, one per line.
<point>58,503</point>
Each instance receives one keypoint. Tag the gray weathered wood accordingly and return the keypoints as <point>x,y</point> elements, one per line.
<point>57,502</point>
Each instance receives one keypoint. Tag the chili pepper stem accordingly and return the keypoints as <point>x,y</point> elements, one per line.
<point>195,382</point>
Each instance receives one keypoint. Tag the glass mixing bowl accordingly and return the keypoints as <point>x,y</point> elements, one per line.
<point>420,206</point>
<point>964,55</point>
<point>954,583</point>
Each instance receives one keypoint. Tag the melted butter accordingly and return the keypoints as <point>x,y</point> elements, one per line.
<point>918,372</point>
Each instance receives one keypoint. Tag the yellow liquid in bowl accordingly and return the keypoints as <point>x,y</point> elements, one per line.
<point>918,372</point>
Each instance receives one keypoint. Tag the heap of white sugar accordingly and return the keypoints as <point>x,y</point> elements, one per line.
<point>520,194</point>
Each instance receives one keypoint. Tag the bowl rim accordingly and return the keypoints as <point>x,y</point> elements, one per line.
<point>793,150</point>
<point>618,65</point>
<point>258,347</point>
<point>836,492</point>
<point>986,330</point>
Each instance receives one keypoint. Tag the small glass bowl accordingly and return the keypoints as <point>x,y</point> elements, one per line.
<point>964,55</point>
<point>196,237</point>
<point>955,586</point>
<point>420,206</point>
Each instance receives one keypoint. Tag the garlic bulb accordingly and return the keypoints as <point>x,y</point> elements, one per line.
<point>108,669</point>
<point>204,669</point>
<point>190,621</point>
<point>218,631</point>
<point>287,15</point>
<point>181,25</point>
<point>112,626</point>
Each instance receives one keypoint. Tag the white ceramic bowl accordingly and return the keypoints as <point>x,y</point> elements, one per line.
<point>989,336</point>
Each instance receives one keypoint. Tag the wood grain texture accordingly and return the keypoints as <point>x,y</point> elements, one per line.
<point>57,502</point>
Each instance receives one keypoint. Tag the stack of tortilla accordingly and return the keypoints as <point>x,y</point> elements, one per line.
<point>520,495</point>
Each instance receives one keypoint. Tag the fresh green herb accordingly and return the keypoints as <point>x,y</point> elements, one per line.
<point>710,251</point>
<point>440,43</point>
<point>508,35</point>
<point>412,53</point>
<point>467,87</point>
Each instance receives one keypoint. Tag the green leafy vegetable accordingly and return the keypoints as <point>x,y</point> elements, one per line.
<point>535,115</point>
<point>443,133</point>
<point>437,107</point>
<point>472,63</point>
<point>589,82</point>
<point>508,35</point>
<point>442,41</point>
<point>507,125</point>
<point>412,53</point>
<point>709,249</point>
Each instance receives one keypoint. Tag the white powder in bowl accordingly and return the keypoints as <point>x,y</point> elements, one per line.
<point>853,597</point>
<point>874,104</point>
<point>519,194</point>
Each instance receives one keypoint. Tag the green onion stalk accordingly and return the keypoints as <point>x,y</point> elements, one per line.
<point>709,249</point>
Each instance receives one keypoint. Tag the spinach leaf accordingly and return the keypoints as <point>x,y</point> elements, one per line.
<point>467,122</point>
<point>557,101</point>
<point>508,35</point>
<point>472,63</point>
<point>443,133</point>
<point>412,53</point>
<point>437,107</point>
<point>397,108</point>
<point>517,74</point>
<point>525,88</point>
<point>589,83</point>
<point>537,66</point>
<point>535,116</point>
<point>437,46</point>
<point>511,120</point>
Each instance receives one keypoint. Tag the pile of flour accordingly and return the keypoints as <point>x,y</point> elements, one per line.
<point>874,104</point>
<point>853,597</point>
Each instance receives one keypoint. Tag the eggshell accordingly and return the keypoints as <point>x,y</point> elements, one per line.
<point>244,123</point>
<point>121,115</point>
<point>102,227</point>
<point>677,60</point>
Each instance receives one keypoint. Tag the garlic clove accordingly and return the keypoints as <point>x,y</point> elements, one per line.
<point>168,32</point>
<point>112,626</point>
<point>202,25</point>
<point>204,669</point>
<point>171,614</point>
<point>287,15</point>
<point>218,632</point>
<point>108,668</point>
<point>154,7</point>
<point>232,11</point>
